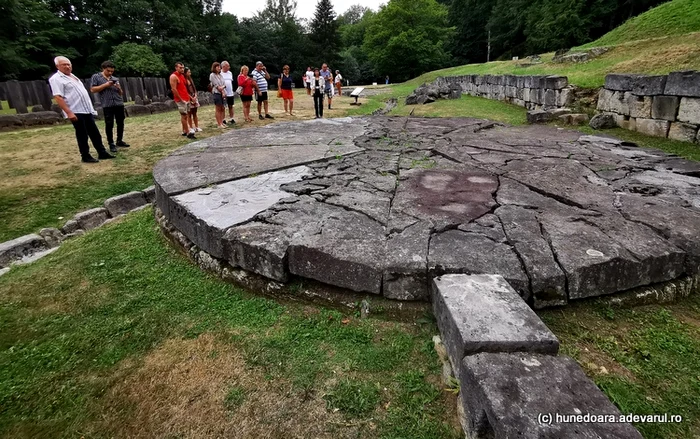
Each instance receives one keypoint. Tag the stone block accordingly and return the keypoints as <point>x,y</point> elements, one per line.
<point>136,110</point>
<point>150,194</point>
<point>603,121</point>
<point>482,313</point>
<point>526,95</point>
<point>683,132</point>
<point>355,264</point>
<point>579,119</point>
<point>689,110</point>
<point>520,81</point>
<point>40,118</point>
<point>511,91</point>
<point>565,97</point>
<point>604,96</point>
<point>639,106</point>
<point>406,274</point>
<point>158,107</point>
<point>665,107</point>
<point>556,82</point>
<point>537,96</point>
<point>504,396</point>
<point>10,121</point>
<point>21,247</point>
<point>518,102</point>
<point>626,122</point>
<point>619,82</point>
<point>92,218</point>
<point>685,83</point>
<point>478,79</point>
<point>539,116</point>
<point>653,127</point>
<point>649,85</point>
<point>52,236</point>
<point>619,103</point>
<point>259,248</point>
<point>550,98</point>
<point>70,227</point>
<point>122,204</point>
<point>511,80</point>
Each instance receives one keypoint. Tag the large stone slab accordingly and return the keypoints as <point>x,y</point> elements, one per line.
<point>686,83</point>
<point>689,110</point>
<point>482,313</point>
<point>455,251</point>
<point>205,214</point>
<point>509,395</point>
<point>422,197</point>
<point>547,280</point>
<point>18,248</point>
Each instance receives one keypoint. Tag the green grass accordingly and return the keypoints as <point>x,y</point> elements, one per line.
<point>73,322</point>
<point>6,108</point>
<point>234,398</point>
<point>28,210</point>
<point>645,359</point>
<point>677,17</point>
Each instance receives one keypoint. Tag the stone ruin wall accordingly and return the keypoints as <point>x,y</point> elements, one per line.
<point>531,92</point>
<point>661,106</point>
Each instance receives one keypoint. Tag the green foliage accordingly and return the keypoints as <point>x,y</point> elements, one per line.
<point>521,27</point>
<point>324,32</point>
<point>353,398</point>
<point>677,17</point>
<point>234,398</point>
<point>138,60</point>
<point>408,37</point>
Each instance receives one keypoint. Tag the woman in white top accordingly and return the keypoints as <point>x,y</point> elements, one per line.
<point>218,90</point>
<point>338,82</point>
<point>318,86</point>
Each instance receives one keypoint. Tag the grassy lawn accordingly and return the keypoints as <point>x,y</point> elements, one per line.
<point>116,335</point>
<point>677,17</point>
<point>645,359</point>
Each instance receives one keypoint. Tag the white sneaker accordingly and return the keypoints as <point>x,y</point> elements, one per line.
<point>198,129</point>
<point>192,131</point>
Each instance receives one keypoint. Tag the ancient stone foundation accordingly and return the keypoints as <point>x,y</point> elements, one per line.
<point>531,92</point>
<point>661,106</point>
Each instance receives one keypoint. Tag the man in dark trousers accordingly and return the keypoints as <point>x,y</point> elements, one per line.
<point>73,98</point>
<point>106,85</point>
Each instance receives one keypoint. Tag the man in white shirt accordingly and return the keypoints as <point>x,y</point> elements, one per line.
<point>73,98</point>
<point>228,83</point>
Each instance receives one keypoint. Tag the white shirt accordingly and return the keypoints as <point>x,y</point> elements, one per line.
<point>338,78</point>
<point>309,76</point>
<point>73,91</point>
<point>228,82</point>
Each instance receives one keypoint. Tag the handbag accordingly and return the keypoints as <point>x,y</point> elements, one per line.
<point>239,90</point>
<point>279,93</point>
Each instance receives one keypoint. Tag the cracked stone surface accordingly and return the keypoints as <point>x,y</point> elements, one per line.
<point>384,204</point>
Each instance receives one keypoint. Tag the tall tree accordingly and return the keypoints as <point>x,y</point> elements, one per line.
<point>408,37</point>
<point>470,19</point>
<point>324,32</point>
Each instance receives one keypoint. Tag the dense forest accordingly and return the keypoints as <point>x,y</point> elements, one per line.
<point>402,40</point>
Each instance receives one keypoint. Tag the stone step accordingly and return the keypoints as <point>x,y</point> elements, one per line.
<point>525,395</point>
<point>21,247</point>
<point>124,203</point>
<point>482,313</point>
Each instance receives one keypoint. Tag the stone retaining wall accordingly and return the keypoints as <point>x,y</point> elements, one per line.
<point>531,92</point>
<point>31,247</point>
<point>661,106</point>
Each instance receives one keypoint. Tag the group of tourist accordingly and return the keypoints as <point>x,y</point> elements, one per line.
<point>76,105</point>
